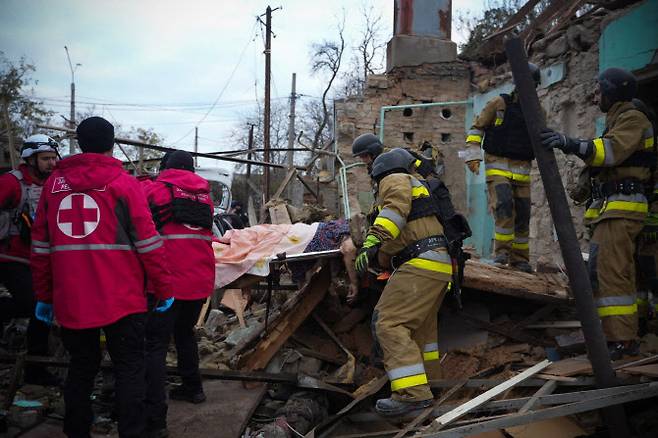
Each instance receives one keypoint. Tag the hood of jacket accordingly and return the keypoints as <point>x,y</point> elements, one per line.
<point>88,171</point>
<point>186,180</point>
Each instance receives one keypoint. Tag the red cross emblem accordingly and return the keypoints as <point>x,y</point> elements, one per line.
<point>78,215</point>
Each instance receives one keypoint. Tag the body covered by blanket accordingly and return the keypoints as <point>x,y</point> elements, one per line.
<point>249,250</point>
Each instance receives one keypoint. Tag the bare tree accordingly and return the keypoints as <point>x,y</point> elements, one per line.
<point>371,45</point>
<point>326,58</point>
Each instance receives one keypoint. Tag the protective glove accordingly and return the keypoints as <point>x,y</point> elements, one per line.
<point>44,312</point>
<point>367,255</point>
<point>474,166</point>
<point>552,139</point>
<point>164,305</point>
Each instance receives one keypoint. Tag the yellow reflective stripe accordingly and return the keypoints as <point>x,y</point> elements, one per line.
<point>431,355</point>
<point>520,245</point>
<point>642,301</point>
<point>592,213</point>
<point>639,207</point>
<point>388,225</point>
<point>419,192</point>
<point>599,152</point>
<point>418,163</point>
<point>508,174</point>
<point>617,310</point>
<point>648,143</point>
<point>474,139</point>
<point>430,265</point>
<point>504,237</point>
<point>406,382</point>
<point>498,121</point>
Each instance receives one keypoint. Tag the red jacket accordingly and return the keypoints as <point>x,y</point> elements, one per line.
<point>14,248</point>
<point>94,242</point>
<point>189,247</point>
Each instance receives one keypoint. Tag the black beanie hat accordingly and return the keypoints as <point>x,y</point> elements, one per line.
<point>95,134</point>
<point>163,161</point>
<point>180,160</point>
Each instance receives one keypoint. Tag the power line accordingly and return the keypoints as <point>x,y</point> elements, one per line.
<point>221,93</point>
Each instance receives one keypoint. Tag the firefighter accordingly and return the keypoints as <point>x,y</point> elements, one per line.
<point>182,211</point>
<point>507,159</point>
<point>367,147</point>
<point>93,245</point>
<point>647,244</point>
<point>406,235</point>
<point>20,190</point>
<point>620,167</point>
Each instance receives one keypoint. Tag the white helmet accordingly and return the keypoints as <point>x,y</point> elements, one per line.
<point>38,143</point>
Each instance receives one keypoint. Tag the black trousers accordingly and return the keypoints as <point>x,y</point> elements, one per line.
<point>17,278</point>
<point>179,320</point>
<point>125,343</point>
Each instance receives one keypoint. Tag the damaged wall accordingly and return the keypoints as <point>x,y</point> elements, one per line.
<point>569,103</point>
<point>442,126</point>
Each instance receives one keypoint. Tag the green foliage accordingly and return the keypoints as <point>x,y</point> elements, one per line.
<point>15,91</point>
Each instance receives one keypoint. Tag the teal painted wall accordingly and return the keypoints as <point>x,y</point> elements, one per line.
<point>630,41</point>
<point>479,218</point>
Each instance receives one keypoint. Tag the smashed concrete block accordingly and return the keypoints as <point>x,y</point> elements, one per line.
<point>557,47</point>
<point>215,319</point>
<point>236,336</point>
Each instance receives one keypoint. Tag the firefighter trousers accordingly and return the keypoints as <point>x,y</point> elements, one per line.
<point>405,325</point>
<point>509,202</point>
<point>612,273</point>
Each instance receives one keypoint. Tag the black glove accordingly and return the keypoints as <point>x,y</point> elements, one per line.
<point>552,139</point>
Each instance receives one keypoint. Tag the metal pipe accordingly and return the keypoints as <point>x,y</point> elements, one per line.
<point>579,282</point>
<point>383,109</point>
<point>168,149</point>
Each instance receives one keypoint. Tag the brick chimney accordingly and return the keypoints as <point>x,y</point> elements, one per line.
<point>421,34</point>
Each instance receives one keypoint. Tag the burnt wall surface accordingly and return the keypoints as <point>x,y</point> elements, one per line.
<point>443,126</point>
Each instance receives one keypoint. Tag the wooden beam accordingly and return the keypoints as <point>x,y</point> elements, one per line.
<point>548,388</point>
<point>465,408</point>
<point>628,395</point>
<point>289,176</point>
<point>549,288</point>
<point>290,318</point>
<point>299,177</point>
<point>426,413</point>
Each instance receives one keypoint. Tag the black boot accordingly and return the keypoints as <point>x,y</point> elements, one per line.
<point>184,393</point>
<point>390,407</point>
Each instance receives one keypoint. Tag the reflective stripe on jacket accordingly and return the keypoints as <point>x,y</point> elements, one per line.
<point>193,275</point>
<point>94,243</point>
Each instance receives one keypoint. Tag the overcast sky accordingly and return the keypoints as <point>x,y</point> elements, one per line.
<point>161,64</point>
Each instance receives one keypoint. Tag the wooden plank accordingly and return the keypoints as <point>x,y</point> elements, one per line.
<point>589,404</point>
<point>288,321</point>
<point>289,176</point>
<point>465,408</point>
<point>644,370</point>
<point>505,281</point>
<point>548,388</point>
<point>581,365</point>
<point>555,324</point>
<point>644,361</point>
<point>202,314</point>
<point>562,427</point>
<point>530,383</point>
<point>279,214</point>
<point>426,413</point>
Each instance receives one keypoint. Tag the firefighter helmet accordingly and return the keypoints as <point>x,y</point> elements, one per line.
<point>398,160</point>
<point>367,144</point>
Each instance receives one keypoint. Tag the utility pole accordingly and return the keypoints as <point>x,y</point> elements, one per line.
<point>266,115</point>
<point>291,131</point>
<point>72,124</point>
<point>196,144</point>
<point>251,146</point>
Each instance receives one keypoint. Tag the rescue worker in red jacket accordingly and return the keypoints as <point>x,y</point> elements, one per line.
<point>182,211</point>
<point>93,245</point>
<point>20,190</point>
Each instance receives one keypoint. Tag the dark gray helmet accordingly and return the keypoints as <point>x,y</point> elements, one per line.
<point>534,71</point>
<point>617,85</point>
<point>395,160</point>
<point>367,144</point>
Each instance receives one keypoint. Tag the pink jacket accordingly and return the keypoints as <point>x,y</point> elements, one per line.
<point>94,243</point>
<point>188,247</point>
